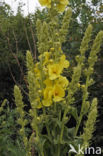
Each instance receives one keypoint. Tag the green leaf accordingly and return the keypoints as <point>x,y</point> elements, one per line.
<point>73,112</point>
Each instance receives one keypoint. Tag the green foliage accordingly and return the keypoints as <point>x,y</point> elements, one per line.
<point>20,41</point>
<point>10,142</point>
<point>54,117</point>
<point>16,36</point>
<point>82,15</point>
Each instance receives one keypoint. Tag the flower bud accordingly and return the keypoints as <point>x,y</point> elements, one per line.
<point>77,58</point>
<point>50,41</point>
<point>86,107</point>
<point>30,111</point>
<point>51,61</point>
<point>21,131</point>
<point>25,141</point>
<point>89,59</point>
<point>25,122</point>
<point>65,120</point>
<point>83,86</point>
<point>52,49</point>
<point>57,44</point>
<point>40,91</point>
<point>57,34</point>
<point>19,121</point>
<point>78,85</point>
<point>91,81</point>
<point>36,140</point>
<point>59,49</point>
<point>91,70</point>
<point>3,122</point>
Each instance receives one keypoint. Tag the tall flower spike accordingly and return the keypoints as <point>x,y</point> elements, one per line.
<point>18,97</point>
<point>29,61</point>
<point>20,109</point>
<point>65,25</point>
<point>90,123</point>
<point>86,40</point>
<point>95,49</point>
<point>73,84</point>
<point>43,36</point>
<point>33,94</point>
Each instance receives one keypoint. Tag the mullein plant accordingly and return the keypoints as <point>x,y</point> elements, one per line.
<point>51,94</point>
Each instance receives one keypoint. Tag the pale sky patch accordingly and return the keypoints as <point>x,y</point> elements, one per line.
<point>30,5</point>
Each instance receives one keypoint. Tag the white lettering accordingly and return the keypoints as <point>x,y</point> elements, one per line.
<point>80,150</point>
<point>86,150</point>
<point>89,150</point>
<point>98,150</point>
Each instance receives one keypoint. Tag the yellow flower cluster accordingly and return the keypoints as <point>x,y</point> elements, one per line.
<point>46,3</point>
<point>60,4</point>
<point>54,83</point>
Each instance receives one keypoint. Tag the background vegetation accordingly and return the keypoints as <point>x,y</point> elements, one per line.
<point>17,34</point>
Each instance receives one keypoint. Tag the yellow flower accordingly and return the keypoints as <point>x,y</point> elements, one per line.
<point>47,54</point>
<point>62,4</point>
<point>78,85</point>
<point>54,71</point>
<point>58,93</point>
<point>48,83</point>
<point>45,57</point>
<point>60,7</point>
<point>47,102</point>
<point>45,71</point>
<point>39,106</point>
<point>51,61</point>
<point>52,49</point>
<point>64,63</point>
<point>46,3</point>
<point>47,96</point>
<point>62,81</point>
<point>48,93</point>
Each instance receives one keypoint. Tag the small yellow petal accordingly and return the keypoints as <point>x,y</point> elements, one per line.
<point>62,81</point>
<point>58,93</point>
<point>47,103</point>
<point>46,3</point>
<point>39,106</point>
<point>48,82</point>
<point>54,71</point>
<point>48,93</point>
<point>52,49</point>
<point>60,7</point>
<point>62,4</point>
<point>64,63</point>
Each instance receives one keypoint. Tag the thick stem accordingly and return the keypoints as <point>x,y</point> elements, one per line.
<point>48,130</point>
<point>62,129</point>
<point>82,107</point>
<point>58,152</point>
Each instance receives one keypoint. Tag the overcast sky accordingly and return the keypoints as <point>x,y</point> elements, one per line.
<point>30,5</point>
